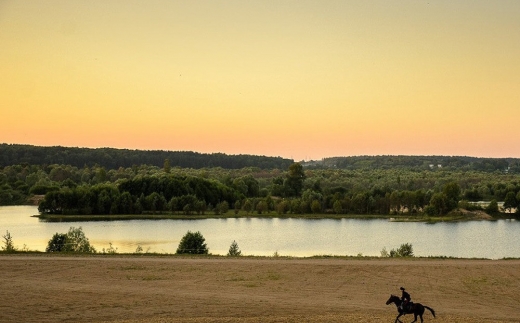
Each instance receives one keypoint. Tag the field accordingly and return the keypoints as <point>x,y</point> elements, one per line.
<point>135,289</point>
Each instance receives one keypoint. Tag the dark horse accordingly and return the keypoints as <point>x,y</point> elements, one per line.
<point>416,309</point>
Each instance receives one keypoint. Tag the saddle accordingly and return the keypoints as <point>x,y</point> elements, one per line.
<point>408,307</point>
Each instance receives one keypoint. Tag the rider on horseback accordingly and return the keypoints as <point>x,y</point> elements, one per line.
<point>405,299</point>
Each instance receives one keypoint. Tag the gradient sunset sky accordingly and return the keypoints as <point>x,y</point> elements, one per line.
<point>296,79</point>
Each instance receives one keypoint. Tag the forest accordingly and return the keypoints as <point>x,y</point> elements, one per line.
<point>378,185</point>
<point>112,158</point>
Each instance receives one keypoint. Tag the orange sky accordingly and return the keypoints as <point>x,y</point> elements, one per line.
<point>297,79</point>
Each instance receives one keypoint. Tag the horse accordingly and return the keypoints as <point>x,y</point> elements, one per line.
<point>417,309</point>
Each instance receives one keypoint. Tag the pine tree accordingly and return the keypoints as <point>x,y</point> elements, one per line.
<point>234,251</point>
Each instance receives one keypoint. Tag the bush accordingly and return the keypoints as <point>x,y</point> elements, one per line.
<point>73,241</point>
<point>192,243</point>
<point>492,208</point>
<point>78,242</point>
<point>110,250</point>
<point>58,243</point>
<point>405,250</point>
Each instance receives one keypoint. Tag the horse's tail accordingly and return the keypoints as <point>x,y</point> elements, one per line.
<point>430,309</point>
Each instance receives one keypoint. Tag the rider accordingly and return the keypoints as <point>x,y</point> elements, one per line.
<point>405,299</point>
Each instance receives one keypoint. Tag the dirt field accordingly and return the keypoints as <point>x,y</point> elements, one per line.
<point>43,288</point>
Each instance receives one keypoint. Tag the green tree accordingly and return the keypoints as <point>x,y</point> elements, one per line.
<point>58,243</point>
<point>201,207</point>
<point>269,202</point>
<point>405,250</point>
<point>187,209</point>
<point>166,166</point>
<point>510,201</point>
<point>248,206</point>
<point>282,207</point>
<point>337,207</point>
<point>237,206</point>
<point>223,207</point>
<point>8,243</point>
<point>101,175</point>
<point>452,193</point>
<point>156,202</point>
<point>293,183</point>
<point>315,206</point>
<point>438,204</point>
<point>174,204</point>
<point>234,251</point>
<point>192,243</point>
<point>296,206</point>
<point>261,207</point>
<point>78,242</point>
<point>492,207</point>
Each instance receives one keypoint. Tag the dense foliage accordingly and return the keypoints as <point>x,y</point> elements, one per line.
<point>193,243</point>
<point>296,189</point>
<point>418,163</point>
<point>115,158</point>
<point>72,241</point>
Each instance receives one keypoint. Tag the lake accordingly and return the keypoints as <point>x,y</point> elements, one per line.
<point>287,237</point>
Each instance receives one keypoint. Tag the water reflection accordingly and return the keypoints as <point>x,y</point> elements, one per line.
<point>294,237</point>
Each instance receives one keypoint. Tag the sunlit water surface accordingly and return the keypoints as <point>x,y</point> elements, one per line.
<point>287,237</point>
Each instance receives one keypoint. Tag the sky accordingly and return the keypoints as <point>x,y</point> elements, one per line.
<point>297,79</point>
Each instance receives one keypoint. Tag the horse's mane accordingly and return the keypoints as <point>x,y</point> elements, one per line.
<point>396,297</point>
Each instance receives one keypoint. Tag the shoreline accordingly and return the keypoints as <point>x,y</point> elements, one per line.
<point>455,217</point>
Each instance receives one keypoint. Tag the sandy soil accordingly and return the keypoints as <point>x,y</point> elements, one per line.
<point>47,288</point>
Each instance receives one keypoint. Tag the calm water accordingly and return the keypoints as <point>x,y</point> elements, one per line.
<point>288,237</point>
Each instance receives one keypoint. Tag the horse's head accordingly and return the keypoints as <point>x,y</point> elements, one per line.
<point>393,299</point>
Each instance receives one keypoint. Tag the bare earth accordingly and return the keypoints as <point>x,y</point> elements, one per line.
<point>132,289</point>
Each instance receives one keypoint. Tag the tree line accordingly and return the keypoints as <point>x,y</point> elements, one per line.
<point>465,163</point>
<point>296,189</point>
<point>13,154</point>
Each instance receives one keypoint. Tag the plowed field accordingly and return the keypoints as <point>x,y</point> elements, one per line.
<point>131,289</point>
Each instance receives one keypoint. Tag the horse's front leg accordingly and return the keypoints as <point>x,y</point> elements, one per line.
<point>397,318</point>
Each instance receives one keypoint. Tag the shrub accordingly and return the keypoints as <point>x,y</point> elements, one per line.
<point>192,243</point>
<point>78,242</point>
<point>58,243</point>
<point>492,208</point>
<point>72,241</point>
<point>110,250</point>
<point>405,250</point>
